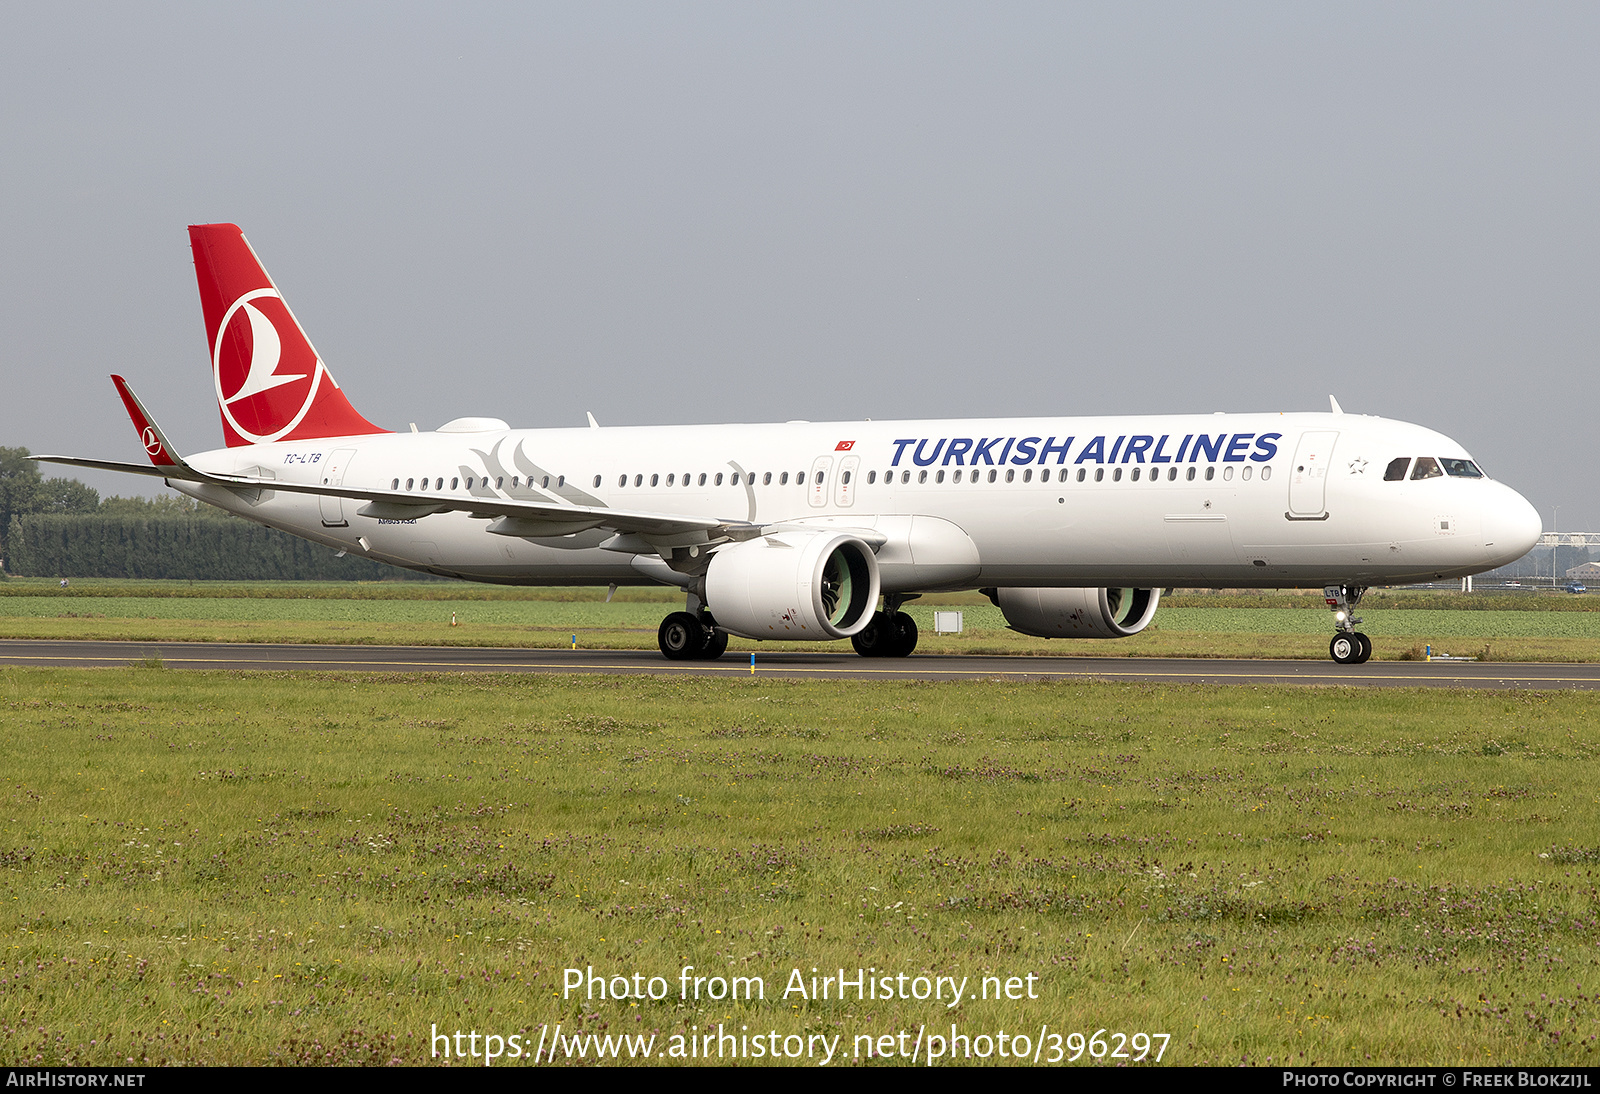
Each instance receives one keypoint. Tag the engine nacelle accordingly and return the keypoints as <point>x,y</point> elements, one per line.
<point>1077,613</point>
<point>794,585</point>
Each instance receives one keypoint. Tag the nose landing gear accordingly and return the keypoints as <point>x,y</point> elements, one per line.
<point>1349,646</point>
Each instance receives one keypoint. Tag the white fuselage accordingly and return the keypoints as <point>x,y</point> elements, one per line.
<point>1263,500</point>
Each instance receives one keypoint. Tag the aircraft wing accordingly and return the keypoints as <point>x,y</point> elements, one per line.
<point>529,518</point>
<point>406,505</point>
<point>512,517</point>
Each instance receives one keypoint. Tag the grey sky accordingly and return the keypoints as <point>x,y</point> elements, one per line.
<point>747,212</point>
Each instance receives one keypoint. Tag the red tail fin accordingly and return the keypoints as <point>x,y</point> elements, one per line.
<point>271,385</point>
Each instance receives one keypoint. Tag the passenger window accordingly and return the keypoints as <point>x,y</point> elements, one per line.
<point>1083,473</point>
<point>702,478</point>
<point>735,479</point>
<point>1227,473</point>
<point>396,485</point>
<point>672,479</point>
<point>922,476</point>
<point>655,480</point>
<point>783,479</point>
<point>800,478</point>
<point>439,483</point>
<point>622,480</point>
<point>1396,470</point>
<point>1011,474</point>
<point>992,475</point>
<point>1134,475</point>
<point>1211,473</point>
<point>1116,475</point>
<point>1266,473</point>
<point>455,483</point>
<point>410,484</point>
<point>1244,473</point>
<point>1427,468</point>
<point>1099,474</point>
<point>469,482</point>
<point>766,480</point>
<point>819,478</point>
<point>905,477</point>
<point>597,482</point>
<point>561,481</point>
<point>845,478</point>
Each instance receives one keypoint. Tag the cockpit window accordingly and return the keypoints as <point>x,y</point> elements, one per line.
<point>1427,468</point>
<point>1397,469</point>
<point>1461,469</point>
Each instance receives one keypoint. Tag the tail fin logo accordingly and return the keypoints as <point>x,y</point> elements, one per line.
<point>266,382</point>
<point>152,443</point>
<point>271,385</point>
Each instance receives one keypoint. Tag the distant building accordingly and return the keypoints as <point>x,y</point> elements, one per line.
<point>1589,571</point>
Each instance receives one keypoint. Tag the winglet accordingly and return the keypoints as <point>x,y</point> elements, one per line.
<point>155,442</point>
<point>1334,404</point>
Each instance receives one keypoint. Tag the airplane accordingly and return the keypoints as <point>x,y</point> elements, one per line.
<point>1071,526</point>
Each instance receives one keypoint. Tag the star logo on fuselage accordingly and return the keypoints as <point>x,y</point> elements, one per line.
<point>1358,466</point>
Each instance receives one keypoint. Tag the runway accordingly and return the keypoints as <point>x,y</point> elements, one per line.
<point>779,663</point>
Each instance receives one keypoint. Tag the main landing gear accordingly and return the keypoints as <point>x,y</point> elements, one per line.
<point>686,637</point>
<point>892,633</point>
<point>1349,646</point>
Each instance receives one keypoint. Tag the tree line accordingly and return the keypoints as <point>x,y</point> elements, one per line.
<point>61,527</point>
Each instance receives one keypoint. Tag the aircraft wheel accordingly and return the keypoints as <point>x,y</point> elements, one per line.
<point>875,639</point>
<point>716,645</point>
<point>905,629</point>
<point>682,637</point>
<point>1345,649</point>
<point>1365,653</point>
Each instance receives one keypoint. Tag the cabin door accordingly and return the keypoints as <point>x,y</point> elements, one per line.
<point>1308,475</point>
<point>333,469</point>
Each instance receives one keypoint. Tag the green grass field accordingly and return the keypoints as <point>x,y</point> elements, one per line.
<point>245,868</point>
<point>1532,628</point>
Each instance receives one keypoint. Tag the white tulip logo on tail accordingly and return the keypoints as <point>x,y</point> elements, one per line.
<point>254,395</point>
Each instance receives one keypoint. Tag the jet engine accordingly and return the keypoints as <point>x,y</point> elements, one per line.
<point>793,585</point>
<point>1076,613</point>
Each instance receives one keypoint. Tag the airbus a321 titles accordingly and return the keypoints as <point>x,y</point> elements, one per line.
<point>808,531</point>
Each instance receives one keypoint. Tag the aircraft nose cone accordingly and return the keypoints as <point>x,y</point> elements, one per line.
<point>1511,528</point>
